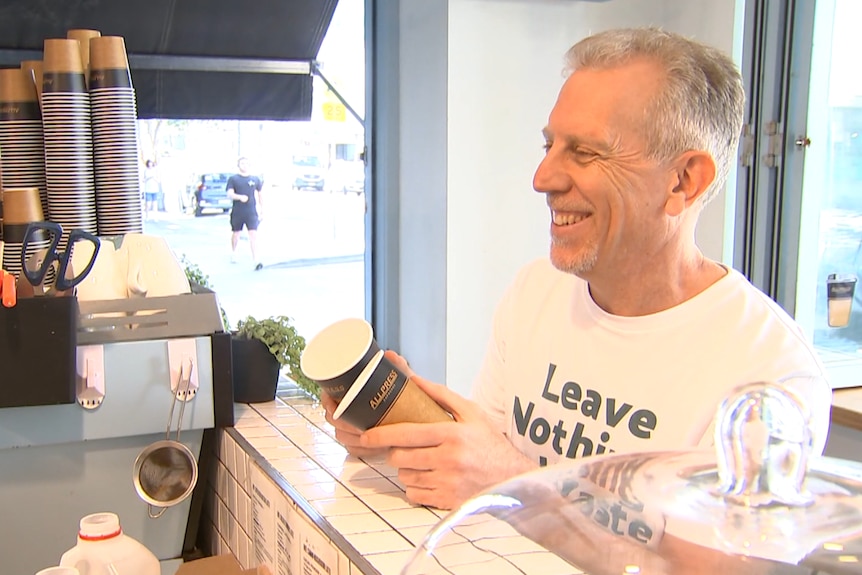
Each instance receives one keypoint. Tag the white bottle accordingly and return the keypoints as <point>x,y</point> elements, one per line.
<point>103,549</point>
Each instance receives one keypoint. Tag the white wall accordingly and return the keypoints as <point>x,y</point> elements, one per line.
<point>505,59</point>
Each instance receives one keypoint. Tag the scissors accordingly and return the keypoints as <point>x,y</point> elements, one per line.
<point>36,268</point>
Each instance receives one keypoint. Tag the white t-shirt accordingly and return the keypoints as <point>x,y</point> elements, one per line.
<point>563,378</point>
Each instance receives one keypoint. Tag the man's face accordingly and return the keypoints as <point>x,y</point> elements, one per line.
<point>606,199</point>
<point>243,165</point>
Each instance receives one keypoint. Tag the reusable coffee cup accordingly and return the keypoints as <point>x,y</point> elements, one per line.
<point>839,299</point>
<point>383,394</point>
<point>336,356</point>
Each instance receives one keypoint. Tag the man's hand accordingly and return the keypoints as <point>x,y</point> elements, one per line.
<point>345,433</point>
<point>444,464</point>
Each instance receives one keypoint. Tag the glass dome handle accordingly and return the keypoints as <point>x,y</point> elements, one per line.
<point>763,443</point>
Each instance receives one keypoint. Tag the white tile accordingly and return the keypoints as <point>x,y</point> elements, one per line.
<point>398,483</point>
<point>304,437</point>
<point>261,431</point>
<point>391,563</point>
<point>244,551</point>
<point>360,523</point>
<point>414,535</point>
<point>344,469</point>
<point>379,542</point>
<point>327,490</point>
<point>462,554</point>
<point>221,438</point>
<point>542,564</point>
<point>384,501</point>
<point>221,480</point>
<point>372,485</point>
<point>493,528</point>
<point>233,532</point>
<point>243,501</point>
<point>271,441</point>
<point>340,506</point>
<point>497,566</point>
<point>379,458</point>
<point>229,448</point>
<point>231,495</point>
<point>327,446</point>
<point>221,518</point>
<point>306,477</point>
<point>414,517</point>
<point>287,451</point>
<point>358,474</point>
<point>514,545</point>
<point>265,406</point>
<point>248,420</point>
<point>242,463</point>
<point>344,564</point>
<point>295,464</point>
<point>385,470</point>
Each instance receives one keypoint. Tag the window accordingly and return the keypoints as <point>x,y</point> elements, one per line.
<point>311,239</point>
<point>802,235</point>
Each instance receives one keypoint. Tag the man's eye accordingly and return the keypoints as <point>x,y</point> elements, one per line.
<point>547,146</point>
<point>583,154</point>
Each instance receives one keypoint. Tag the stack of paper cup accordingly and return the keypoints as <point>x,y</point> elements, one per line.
<point>68,137</point>
<point>22,151</point>
<point>115,139</point>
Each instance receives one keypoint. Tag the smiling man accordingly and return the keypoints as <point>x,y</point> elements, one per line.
<point>627,337</point>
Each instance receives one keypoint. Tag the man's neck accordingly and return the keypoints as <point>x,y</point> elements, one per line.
<point>655,287</point>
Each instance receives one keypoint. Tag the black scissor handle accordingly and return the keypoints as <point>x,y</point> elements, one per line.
<point>36,277</point>
<point>64,283</point>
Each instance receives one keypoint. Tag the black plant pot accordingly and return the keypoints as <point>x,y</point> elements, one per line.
<point>255,371</point>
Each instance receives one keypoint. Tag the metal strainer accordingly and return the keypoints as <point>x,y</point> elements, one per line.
<point>165,472</point>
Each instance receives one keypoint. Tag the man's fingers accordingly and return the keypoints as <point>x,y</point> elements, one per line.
<point>399,362</point>
<point>405,435</point>
<point>459,406</point>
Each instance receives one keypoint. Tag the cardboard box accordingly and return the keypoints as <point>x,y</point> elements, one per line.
<point>218,565</point>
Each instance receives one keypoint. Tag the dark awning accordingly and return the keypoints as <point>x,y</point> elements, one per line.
<point>230,59</point>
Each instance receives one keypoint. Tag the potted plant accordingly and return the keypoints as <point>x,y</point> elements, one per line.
<point>260,349</point>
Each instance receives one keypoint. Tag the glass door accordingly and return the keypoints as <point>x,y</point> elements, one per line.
<point>828,302</point>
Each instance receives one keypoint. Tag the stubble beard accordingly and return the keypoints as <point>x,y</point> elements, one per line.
<point>572,259</point>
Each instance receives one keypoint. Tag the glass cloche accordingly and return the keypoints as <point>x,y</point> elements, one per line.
<point>758,503</point>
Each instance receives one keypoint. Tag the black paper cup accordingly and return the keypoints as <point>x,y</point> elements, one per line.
<point>383,394</point>
<point>336,356</point>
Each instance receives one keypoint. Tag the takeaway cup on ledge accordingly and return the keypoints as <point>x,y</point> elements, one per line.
<point>336,356</point>
<point>383,394</point>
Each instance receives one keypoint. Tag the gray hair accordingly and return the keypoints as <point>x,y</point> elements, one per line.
<point>701,104</point>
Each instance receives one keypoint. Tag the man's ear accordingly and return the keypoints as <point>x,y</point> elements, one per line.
<point>694,172</point>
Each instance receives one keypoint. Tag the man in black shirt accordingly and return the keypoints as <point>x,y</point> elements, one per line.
<point>244,189</point>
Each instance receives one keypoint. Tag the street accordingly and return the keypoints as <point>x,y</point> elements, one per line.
<point>311,245</point>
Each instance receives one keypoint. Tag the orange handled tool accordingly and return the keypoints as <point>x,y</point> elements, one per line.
<point>8,292</point>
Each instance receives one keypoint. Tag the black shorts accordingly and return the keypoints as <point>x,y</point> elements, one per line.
<point>238,219</point>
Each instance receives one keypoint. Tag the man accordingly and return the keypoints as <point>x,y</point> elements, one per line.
<point>244,189</point>
<point>629,337</point>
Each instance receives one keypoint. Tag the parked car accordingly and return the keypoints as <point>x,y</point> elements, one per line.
<point>211,193</point>
<point>308,173</point>
<point>347,177</point>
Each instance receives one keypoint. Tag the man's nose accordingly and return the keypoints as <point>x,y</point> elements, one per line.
<point>550,177</point>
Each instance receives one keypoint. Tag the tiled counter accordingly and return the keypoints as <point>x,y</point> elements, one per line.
<point>286,494</point>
